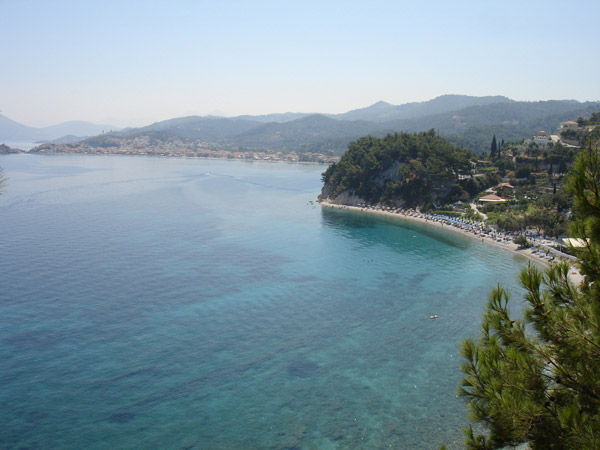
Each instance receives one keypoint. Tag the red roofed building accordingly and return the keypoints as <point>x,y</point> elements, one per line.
<point>505,185</point>
<point>569,125</point>
<point>491,198</point>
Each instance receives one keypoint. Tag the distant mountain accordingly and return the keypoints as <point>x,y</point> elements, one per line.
<point>380,111</point>
<point>473,126</point>
<point>77,128</point>
<point>280,117</point>
<point>204,128</point>
<point>69,139</point>
<point>15,131</point>
<point>385,112</point>
<point>464,120</point>
<point>11,131</point>
<point>193,128</point>
<point>301,133</point>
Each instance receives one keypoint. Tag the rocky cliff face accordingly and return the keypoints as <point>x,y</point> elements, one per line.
<point>345,198</point>
<point>350,198</point>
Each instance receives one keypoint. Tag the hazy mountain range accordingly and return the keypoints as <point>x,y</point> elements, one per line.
<point>465,120</point>
<point>15,131</point>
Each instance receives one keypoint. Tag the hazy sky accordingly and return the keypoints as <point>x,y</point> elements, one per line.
<point>132,63</point>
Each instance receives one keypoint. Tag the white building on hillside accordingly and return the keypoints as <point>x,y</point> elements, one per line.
<point>568,125</point>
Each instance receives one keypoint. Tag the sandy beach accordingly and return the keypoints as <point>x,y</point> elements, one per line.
<point>496,239</point>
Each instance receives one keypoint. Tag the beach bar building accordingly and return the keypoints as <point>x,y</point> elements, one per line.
<point>491,198</point>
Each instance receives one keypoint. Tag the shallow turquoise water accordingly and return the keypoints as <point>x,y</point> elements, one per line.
<point>189,304</point>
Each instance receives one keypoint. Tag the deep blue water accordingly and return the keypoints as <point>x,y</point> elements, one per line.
<point>191,304</point>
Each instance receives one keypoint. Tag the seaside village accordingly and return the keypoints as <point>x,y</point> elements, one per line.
<point>537,175</point>
<point>175,147</point>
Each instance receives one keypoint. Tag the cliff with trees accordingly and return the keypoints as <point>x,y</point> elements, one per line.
<point>401,170</point>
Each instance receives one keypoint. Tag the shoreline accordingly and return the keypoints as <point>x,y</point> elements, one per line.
<point>207,158</point>
<point>489,239</point>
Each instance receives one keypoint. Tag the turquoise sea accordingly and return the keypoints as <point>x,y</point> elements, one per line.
<point>193,304</point>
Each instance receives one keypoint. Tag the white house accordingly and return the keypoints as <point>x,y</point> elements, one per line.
<point>569,125</point>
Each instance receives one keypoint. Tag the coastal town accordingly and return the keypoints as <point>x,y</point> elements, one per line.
<point>178,148</point>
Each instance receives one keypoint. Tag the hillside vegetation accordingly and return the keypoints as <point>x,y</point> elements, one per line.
<point>399,169</point>
<point>516,187</point>
<point>470,127</point>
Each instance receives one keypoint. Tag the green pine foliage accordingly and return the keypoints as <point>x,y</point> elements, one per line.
<point>522,241</point>
<point>537,379</point>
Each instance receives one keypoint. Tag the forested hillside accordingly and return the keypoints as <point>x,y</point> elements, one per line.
<point>399,169</point>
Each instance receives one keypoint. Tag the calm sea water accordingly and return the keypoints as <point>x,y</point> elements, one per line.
<point>189,304</point>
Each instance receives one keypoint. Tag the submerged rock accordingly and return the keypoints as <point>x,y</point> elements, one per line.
<point>303,368</point>
<point>121,417</point>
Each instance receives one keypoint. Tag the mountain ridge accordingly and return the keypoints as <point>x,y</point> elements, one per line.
<point>11,130</point>
<point>382,111</point>
<point>465,120</point>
